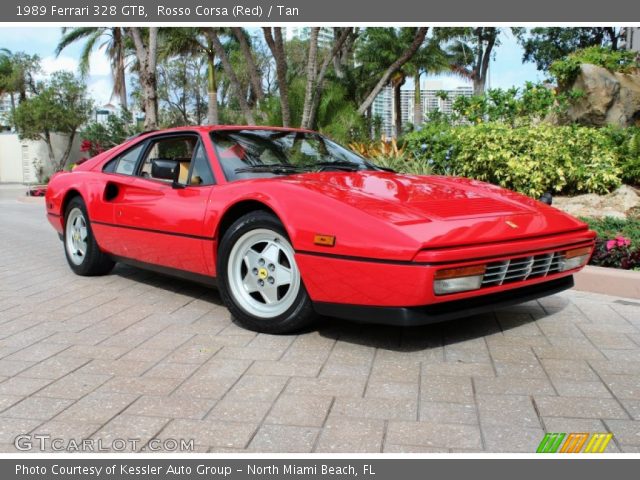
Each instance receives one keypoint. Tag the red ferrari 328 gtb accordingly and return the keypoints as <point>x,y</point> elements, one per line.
<point>289,225</point>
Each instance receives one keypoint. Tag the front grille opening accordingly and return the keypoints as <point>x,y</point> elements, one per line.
<point>522,268</point>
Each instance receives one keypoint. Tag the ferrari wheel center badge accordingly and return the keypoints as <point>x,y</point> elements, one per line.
<point>262,273</point>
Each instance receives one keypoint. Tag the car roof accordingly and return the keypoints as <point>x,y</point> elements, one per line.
<point>213,128</point>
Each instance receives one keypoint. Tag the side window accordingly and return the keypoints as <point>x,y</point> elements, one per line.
<point>200,168</point>
<point>124,163</point>
<point>177,149</point>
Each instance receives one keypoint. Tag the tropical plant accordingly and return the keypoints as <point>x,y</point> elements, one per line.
<point>117,49</point>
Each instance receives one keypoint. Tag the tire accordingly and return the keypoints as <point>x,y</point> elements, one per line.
<point>258,278</point>
<point>83,254</point>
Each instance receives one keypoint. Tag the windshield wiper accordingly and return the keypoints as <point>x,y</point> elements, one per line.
<point>279,168</point>
<point>339,165</point>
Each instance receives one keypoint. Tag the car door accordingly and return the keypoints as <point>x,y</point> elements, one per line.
<point>160,220</point>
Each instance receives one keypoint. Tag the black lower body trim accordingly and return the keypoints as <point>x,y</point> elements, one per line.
<point>171,272</point>
<point>440,312</point>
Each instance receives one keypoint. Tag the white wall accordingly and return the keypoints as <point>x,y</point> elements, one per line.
<point>17,157</point>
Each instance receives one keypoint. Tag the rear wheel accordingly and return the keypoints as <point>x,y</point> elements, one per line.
<point>80,247</point>
<point>258,276</point>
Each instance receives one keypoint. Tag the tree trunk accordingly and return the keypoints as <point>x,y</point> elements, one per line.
<point>317,93</point>
<point>397,106</point>
<point>212,34</point>
<point>276,45</point>
<point>312,72</point>
<point>404,58</point>
<point>254,73</point>
<point>147,56</point>
<point>417,101</point>
<point>120,83</point>
<point>212,90</point>
<point>483,58</point>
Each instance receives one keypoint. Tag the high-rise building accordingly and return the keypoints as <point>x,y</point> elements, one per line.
<point>631,36</point>
<point>434,97</point>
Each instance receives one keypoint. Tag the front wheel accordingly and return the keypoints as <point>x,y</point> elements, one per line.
<point>82,252</point>
<point>258,276</point>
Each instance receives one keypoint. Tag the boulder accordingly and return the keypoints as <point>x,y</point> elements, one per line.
<point>609,98</point>
<point>616,204</point>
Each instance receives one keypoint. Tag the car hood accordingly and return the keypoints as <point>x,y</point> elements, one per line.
<point>471,211</point>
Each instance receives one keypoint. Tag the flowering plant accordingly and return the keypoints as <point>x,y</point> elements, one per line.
<point>615,253</point>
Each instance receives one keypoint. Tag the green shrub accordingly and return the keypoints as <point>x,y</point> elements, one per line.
<point>610,227</point>
<point>626,143</point>
<point>566,70</point>
<point>529,159</point>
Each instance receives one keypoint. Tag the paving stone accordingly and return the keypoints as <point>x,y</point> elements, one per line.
<point>624,386</point>
<point>41,408</point>
<point>448,412</point>
<point>286,369</point>
<point>626,432</point>
<point>284,439</point>
<point>129,433</point>
<point>172,406</point>
<point>7,400</point>
<point>140,385</point>
<point>581,389</point>
<point>507,411</point>
<point>375,408</point>
<point>97,408</point>
<point>432,434</point>
<point>401,390</point>
<point>351,436</point>
<point>579,407</point>
<point>10,428</point>
<point>22,385</point>
<point>232,410</point>
<point>446,389</point>
<point>513,386</point>
<point>211,432</point>
<point>74,385</point>
<point>250,387</point>
<point>328,386</point>
<point>300,410</point>
<point>512,439</point>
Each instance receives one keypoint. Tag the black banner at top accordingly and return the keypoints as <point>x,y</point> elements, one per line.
<point>312,11</point>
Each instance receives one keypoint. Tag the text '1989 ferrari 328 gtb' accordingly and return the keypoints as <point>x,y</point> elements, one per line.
<point>289,225</point>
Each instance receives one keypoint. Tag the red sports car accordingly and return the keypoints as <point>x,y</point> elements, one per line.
<point>290,225</point>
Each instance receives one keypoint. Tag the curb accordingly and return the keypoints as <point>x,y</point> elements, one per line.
<point>608,281</point>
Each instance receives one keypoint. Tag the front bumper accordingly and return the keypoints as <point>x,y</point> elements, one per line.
<point>444,311</point>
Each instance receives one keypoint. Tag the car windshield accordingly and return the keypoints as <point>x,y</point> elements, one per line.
<point>258,153</point>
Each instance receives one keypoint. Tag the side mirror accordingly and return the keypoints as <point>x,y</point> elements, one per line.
<point>165,169</point>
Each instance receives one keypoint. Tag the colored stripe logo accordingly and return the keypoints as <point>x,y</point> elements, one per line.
<point>574,443</point>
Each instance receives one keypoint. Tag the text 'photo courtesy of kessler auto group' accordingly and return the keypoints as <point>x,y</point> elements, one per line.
<point>297,239</point>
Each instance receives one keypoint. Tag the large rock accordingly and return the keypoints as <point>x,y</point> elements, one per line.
<point>616,204</point>
<point>609,98</point>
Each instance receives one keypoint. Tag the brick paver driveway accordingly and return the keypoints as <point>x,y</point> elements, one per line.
<point>138,355</point>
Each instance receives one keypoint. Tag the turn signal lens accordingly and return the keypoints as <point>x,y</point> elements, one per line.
<point>460,272</point>
<point>577,252</point>
<point>325,240</point>
<point>462,279</point>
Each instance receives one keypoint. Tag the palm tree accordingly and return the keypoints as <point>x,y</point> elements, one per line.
<point>430,58</point>
<point>194,41</point>
<point>113,40</point>
<point>387,50</point>
<point>470,50</point>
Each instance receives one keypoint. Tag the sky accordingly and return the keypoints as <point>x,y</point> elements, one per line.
<point>506,68</point>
